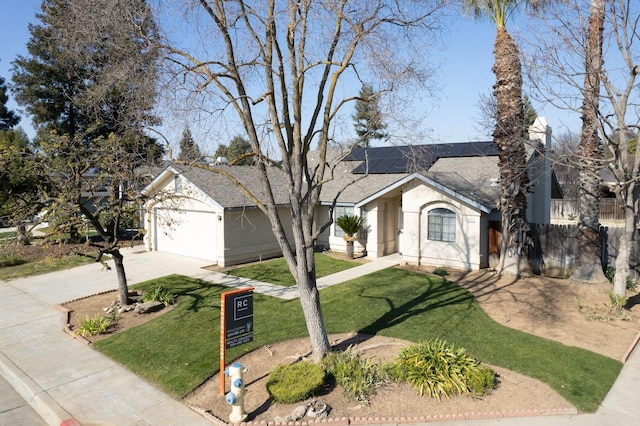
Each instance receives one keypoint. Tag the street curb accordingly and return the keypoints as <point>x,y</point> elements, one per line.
<point>630,349</point>
<point>46,407</point>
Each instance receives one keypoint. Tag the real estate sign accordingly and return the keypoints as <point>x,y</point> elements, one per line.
<point>238,313</point>
<point>236,323</point>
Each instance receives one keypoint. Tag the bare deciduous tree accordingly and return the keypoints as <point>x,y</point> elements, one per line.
<point>287,69</point>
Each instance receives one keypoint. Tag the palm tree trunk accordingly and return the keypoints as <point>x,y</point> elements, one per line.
<point>509,136</point>
<point>588,262</point>
<point>350,249</point>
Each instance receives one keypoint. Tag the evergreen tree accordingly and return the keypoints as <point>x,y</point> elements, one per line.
<point>89,82</point>
<point>86,77</point>
<point>368,117</point>
<point>48,82</point>
<point>237,153</point>
<point>8,118</point>
<point>19,179</point>
<point>189,150</point>
<point>528,111</point>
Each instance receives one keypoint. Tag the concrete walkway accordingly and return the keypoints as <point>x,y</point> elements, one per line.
<point>65,381</point>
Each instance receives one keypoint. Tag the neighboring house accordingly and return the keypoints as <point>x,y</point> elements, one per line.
<point>433,204</point>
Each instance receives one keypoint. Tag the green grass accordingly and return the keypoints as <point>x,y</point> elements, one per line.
<point>8,234</point>
<point>20,268</point>
<point>275,271</point>
<point>180,349</point>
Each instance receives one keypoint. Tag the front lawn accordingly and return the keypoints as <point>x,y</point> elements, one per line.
<point>180,350</point>
<point>6,235</point>
<point>276,271</point>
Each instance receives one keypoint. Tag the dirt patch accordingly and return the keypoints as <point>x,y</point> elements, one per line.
<point>545,307</point>
<point>41,249</point>
<point>90,306</point>
<point>555,309</point>
<point>515,392</point>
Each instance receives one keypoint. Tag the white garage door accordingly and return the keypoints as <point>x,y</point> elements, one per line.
<point>186,232</point>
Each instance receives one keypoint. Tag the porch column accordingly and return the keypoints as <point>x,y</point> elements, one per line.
<point>411,237</point>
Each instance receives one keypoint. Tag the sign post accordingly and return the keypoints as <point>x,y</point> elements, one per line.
<point>236,323</point>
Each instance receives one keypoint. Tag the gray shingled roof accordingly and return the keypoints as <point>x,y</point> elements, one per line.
<point>469,169</point>
<point>355,187</point>
<point>221,189</point>
<point>473,177</point>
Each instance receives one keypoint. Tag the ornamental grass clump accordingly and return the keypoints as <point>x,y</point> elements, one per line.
<point>359,377</point>
<point>290,383</point>
<point>436,368</point>
<point>90,326</point>
<point>159,294</point>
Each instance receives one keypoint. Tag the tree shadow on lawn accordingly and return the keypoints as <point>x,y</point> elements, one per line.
<point>432,297</point>
<point>195,294</point>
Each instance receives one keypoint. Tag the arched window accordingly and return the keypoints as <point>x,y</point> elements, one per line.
<point>441,225</point>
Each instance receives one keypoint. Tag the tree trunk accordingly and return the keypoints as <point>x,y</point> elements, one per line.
<point>302,266</point>
<point>23,235</point>
<point>310,301</point>
<point>305,274</point>
<point>509,137</point>
<point>350,249</point>
<point>588,262</point>
<point>123,289</point>
<point>625,243</point>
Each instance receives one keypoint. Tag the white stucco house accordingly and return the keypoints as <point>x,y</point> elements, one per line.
<point>433,204</point>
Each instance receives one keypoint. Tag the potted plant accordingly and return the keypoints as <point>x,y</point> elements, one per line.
<point>351,225</point>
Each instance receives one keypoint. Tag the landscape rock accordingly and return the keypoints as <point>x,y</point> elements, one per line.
<point>315,409</point>
<point>152,306</point>
<point>318,410</point>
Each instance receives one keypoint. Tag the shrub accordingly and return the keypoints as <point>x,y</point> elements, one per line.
<point>359,377</point>
<point>436,368</point>
<point>440,272</point>
<point>610,273</point>
<point>12,261</point>
<point>480,381</point>
<point>96,324</point>
<point>159,294</point>
<point>291,383</point>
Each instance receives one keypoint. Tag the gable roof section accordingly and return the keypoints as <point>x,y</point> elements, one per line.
<point>466,171</point>
<point>222,190</point>
<point>349,188</point>
<point>476,178</point>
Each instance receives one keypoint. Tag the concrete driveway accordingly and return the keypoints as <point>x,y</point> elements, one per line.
<point>64,286</point>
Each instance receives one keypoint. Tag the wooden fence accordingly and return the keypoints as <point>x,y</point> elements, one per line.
<point>555,247</point>
<point>610,209</point>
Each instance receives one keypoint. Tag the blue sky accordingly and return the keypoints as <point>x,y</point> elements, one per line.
<point>464,73</point>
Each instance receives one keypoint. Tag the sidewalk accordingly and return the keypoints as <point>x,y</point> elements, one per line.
<point>66,381</point>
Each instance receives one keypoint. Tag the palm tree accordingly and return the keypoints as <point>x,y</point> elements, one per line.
<point>351,225</point>
<point>588,263</point>
<point>509,132</point>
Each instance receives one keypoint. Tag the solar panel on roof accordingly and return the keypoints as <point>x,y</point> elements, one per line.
<point>408,158</point>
